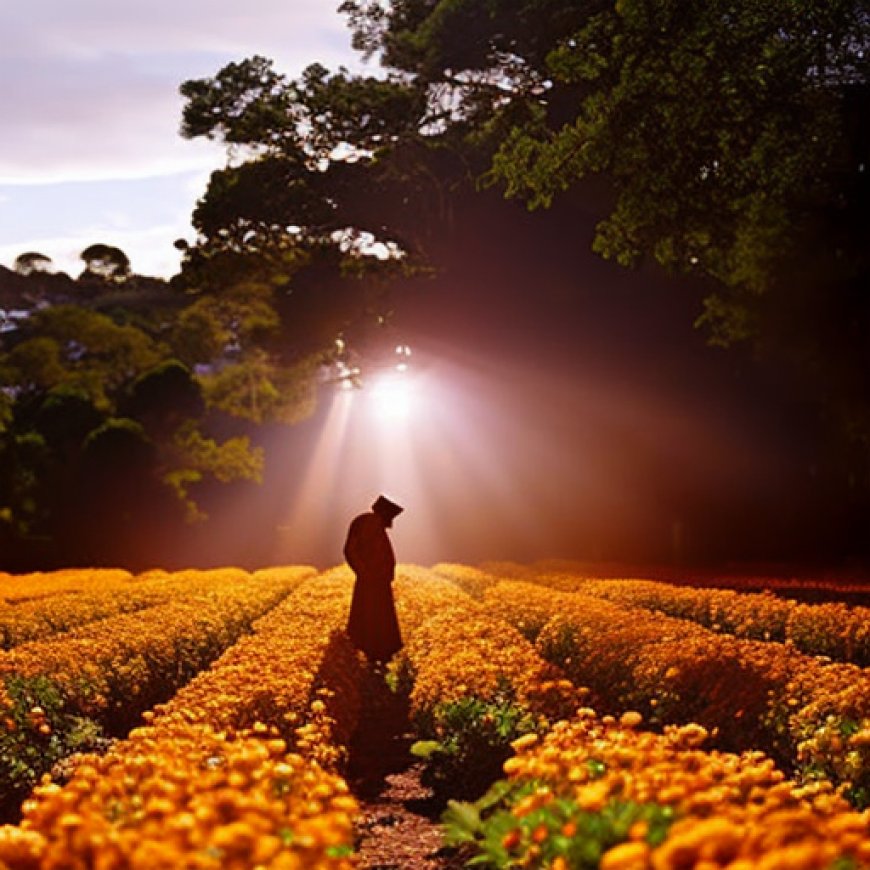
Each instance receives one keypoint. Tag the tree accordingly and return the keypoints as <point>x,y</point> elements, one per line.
<point>728,142</point>
<point>32,262</point>
<point>169,404</point>
<point>163,398</point>
<point>64,418</point>
<point>118,495</point>
<point>725,130</point>
<point>69,344</point>
<point>315,213</point>
<point>105,262</point>
<point>99,489</point>
<point>728,134</point>
<point>735,141</point>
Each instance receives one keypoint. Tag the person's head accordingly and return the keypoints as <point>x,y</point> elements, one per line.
<point>386,510</point>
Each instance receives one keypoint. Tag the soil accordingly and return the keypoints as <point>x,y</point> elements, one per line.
<point>399,825</point>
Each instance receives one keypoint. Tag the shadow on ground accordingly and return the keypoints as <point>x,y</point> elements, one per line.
<point>399,820</point>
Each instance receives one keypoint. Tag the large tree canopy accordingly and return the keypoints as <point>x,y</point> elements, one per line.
<point>726,141</point>
<point>733,139</point>
<point>732,135</point>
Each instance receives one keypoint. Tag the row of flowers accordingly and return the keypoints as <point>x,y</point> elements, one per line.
<point>233,771</point>
<point>63,694</point>
<point>475,683</point>
<point>812,716</point>
<point>455,647</point>
<point>600,792</point>
<point>595,792</point>
<point>228,774</point>
<point>308,681</point>
<point>816,585</point>
<point>81,597</point>
<point>834,629</point>
<point>16,588</point>
<point>186,795</point>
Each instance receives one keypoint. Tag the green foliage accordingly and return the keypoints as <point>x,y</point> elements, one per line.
<point>708,123</point>
<point>258,389</point>
<point>249,103</point>
<point>74,346</point>
<point>197,456</point>
<point>504,833</point>
<point>65,416</point>
<point>116,444</point>
<point>246,103</point>
<point>33,364</point>
<point>466,741</point>
<point>325,214</point>
<point>36,732</point>
<point>198,336</point>
<point>113,347</point>
<point>366,113</point>
<point>725,141</point>
<point>733,138</point>
<point>164,397</point>
<point>24,461</point>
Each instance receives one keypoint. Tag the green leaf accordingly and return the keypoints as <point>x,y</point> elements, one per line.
<point>426,748</point>
<point>462,821</point>
<point>342,851</point>
<point>596,768</point>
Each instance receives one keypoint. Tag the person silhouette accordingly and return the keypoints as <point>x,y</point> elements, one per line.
<point>372,624</point>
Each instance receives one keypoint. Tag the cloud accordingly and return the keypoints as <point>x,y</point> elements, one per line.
<point>91,111</point>
<point>84,129</point>
<point>92,27</point>
<point>91,88</point>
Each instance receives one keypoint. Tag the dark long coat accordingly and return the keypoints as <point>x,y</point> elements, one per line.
<point>372,625</point>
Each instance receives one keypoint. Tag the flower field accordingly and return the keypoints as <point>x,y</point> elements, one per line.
<point>204,719</point>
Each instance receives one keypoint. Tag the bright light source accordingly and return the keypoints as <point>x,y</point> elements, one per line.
<point>403,353</point>
<point>392,396</point>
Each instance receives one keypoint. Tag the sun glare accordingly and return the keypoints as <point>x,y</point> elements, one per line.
<point>422,436</point>
<point>392,396</point>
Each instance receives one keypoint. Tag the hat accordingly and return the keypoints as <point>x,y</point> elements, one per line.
<point>386,508</point>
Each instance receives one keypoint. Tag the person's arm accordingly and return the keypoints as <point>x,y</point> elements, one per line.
<point>352,545</point>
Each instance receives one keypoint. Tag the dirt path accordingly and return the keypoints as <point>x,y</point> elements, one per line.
<point>398,827</point>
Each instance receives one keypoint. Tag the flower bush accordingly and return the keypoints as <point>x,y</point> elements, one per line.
<point>99,678</point>
<point>600,793</point>
<point>240,767</point>
<point>88,596</point>
<point>750,694</point>
<point>187,795</point>
<point>15,588</point>
<point>206,783</point>
<point>301,658</point>
<point>476,682</point>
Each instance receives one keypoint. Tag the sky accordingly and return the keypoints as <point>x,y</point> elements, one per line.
<point>90,106</point>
